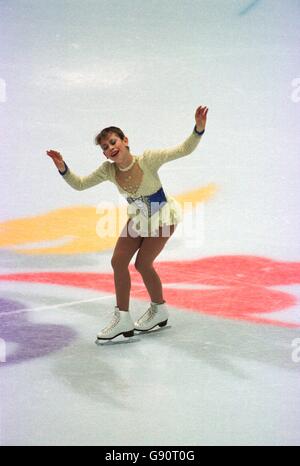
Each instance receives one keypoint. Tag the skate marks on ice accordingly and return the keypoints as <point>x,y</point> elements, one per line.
<point>238,288</point>
<point>107,372</point>
<point>11,261</point>
<point>249,7</point>
<point>233,346</point>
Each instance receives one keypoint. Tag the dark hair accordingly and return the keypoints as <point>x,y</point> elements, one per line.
<point>105,132</point>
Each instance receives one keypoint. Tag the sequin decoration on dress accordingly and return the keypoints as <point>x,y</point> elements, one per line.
<point>148,205</point>
<point>148,213</point>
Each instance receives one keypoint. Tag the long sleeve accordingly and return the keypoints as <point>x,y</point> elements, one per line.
<point>84,182</point>
<point>155,158</point>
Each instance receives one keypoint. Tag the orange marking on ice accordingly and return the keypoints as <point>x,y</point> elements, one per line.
<point>78,223</point>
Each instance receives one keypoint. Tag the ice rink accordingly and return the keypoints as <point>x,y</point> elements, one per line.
<point>226,369</point>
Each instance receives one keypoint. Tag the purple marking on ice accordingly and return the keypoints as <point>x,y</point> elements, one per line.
<point>34,340</point>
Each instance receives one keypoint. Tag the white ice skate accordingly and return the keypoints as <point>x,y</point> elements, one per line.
<point>157,314</point>
<point>121,323</point>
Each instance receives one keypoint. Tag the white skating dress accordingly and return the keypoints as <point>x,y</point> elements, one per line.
<point>148,205</point>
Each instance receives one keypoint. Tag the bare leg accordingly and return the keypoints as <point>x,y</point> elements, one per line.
<point>148,251</point>
<point>125,249</point>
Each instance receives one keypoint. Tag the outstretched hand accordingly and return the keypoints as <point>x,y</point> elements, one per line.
<point>200,117</point>
<point>57,159</point>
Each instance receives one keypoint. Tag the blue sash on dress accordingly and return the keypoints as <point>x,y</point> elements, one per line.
<point>148,205</point>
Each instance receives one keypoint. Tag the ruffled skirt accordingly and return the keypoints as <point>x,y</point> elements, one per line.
<point>169,214</point>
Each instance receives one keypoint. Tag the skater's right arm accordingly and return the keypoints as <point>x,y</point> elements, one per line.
<point>79,182</point>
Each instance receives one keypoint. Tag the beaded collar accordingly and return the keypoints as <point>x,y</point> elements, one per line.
<point>127,168</point>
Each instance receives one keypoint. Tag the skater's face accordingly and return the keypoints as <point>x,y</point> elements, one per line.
<point>114,147</point>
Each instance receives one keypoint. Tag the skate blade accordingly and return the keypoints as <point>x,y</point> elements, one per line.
<point>152,330</point>
<point>118,340</point>
<point>112,342</point>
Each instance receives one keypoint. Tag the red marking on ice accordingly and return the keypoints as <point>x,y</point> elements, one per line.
<point>241,285</point>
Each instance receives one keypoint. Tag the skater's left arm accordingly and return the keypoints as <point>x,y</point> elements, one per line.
<point>157,157</point>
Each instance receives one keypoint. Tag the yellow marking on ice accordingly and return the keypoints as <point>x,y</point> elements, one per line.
<point>78,223</point>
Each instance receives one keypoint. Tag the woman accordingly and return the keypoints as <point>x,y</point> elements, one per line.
<point>153,217</point>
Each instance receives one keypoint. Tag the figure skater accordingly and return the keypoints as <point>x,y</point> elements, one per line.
<point>152,218</point>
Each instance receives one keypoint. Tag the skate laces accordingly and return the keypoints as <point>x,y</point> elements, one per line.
<point>149,314</point>
<point>113,323</point>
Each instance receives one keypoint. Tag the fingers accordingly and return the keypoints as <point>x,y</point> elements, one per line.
<point>202,110</point>
<point>54,154</point>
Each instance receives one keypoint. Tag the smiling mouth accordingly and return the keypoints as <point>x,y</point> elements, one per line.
<point>114,155</point>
